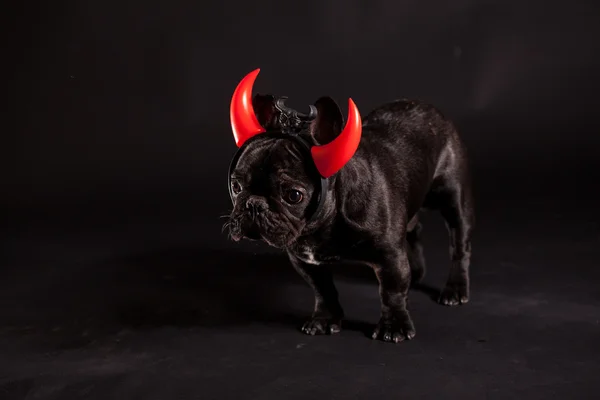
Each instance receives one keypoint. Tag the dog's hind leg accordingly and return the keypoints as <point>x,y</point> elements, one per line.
<point>457,208</point>
<point>416,258</point>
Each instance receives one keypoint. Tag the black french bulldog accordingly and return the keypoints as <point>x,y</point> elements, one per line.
<point>326,193</point>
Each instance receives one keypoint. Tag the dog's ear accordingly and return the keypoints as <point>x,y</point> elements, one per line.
<point>265,111</point>
<point>329,122</point>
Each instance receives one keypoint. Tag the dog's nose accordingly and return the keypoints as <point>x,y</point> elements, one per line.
<point>257,203</point>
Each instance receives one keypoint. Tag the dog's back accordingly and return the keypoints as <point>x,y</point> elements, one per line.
<point>411,144</point>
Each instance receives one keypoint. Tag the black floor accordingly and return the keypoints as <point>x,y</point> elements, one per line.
<point>170,310</point>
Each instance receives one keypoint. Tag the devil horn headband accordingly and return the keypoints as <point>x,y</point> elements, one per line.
<point>328,158</point>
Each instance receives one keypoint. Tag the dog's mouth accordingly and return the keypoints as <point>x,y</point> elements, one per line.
<point>236,231</point>
<point>251,234</point>
<point>243,227</point>
<point>250,228</point>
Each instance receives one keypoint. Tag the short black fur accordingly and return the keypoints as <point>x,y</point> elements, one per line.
<point>410,158</point>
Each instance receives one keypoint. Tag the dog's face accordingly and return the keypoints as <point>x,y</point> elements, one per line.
<point>275,184</point>
<point>272,188</point>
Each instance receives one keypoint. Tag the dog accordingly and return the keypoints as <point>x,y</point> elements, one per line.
<point>325,191</point>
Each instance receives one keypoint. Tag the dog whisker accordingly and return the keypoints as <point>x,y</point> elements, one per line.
<point>225,226</point>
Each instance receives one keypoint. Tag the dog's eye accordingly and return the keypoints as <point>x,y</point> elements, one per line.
<point>236,187</point>
<point>293,196</point>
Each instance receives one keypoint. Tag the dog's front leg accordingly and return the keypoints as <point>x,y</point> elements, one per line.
<point>328,313</point>
<point>393,273</point>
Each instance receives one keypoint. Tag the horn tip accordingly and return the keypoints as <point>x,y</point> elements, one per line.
<point>353,110</point>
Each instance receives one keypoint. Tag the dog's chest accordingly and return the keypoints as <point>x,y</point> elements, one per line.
<point>307,254</point>
<point>313,254</point>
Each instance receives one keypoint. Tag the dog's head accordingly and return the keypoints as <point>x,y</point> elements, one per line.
<point>279,173</point>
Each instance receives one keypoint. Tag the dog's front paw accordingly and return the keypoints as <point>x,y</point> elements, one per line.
<point>454,294</point>
<point>394,330</point>
<point>322,326</point>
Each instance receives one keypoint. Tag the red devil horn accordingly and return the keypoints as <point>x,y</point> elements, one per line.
<point>331,157</point>
<point>241,113</point>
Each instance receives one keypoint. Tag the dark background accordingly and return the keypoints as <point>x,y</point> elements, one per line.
<point>116,279</point>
